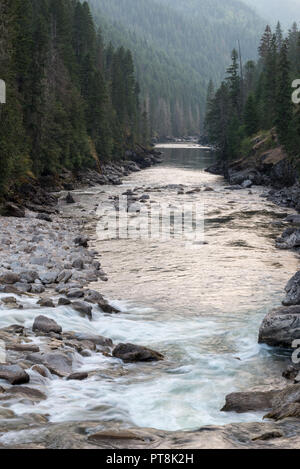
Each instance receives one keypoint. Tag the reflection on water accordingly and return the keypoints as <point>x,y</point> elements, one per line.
<point>200,307</point>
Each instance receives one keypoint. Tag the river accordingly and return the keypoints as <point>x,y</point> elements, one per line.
<point>200,307</point>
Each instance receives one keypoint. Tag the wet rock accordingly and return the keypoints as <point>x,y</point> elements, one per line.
<point>28,393</point>
<point>38,289</point>
<point>78,376</point>
<point>93,296</point>
<point>23,348</point>
<point>10,301</point>
<point>44,217</point>
<point>59,364</point>
<point>95,339</point>
<point>281,327</point>
<point>208,189</point>
<point>82,307</point>
<point>14,374</point>
<point>24,287</point>
<point>41,370</point>
<point>75,293</point>
<point>82,241</point>
<point>46,303</point>
<point>241,402</point>
<point>44,324</point>
<point>64,302</point>
<point>135,353</point>
<point>9,278</point>
<point>13,210</point>
<point>106,307</point>
<point>293,291</point>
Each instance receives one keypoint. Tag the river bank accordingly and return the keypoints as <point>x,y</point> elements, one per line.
<point>89,355</point>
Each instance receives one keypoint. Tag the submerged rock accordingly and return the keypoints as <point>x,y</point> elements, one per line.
<point>241,402</point>
<point>135,353</point>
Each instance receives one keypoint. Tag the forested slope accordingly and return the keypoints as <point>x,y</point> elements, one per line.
<point>178,45</point>
<point>70,101</point>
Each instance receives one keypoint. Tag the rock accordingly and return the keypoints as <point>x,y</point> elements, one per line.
<point>93,296</point>
<point>13,210</point>
<point>9,278</point>
<point>44,217</point>
<point>29,276</point>
<point>130,353</point>
<point>38,289</point>
<point>64,302</point>
<point>28,393</point>
<point>208,189</point>
<point>280,327</point>
<point>247,184</point>
<point>46,303</point>
<point>10,300</point>
<point>25,287</point>
<point>293,291</point>
<point>41,370</point>
<point>78,264</point>
<point>14,374</point>
<point>47,278</point>
<point>47,325</point>
<point>82,241</point>
<point>75,293</point>
<point>82,307</point>
<point>78,376</point>
<point>59,364</point>
<point>95,339</point>
<point>64,276</point>
<point>70,199</point>
<point>248,401</point>
<point>23,347</point>
<point>106,307</point>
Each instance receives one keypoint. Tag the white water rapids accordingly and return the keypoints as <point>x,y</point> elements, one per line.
<point>201,308</point>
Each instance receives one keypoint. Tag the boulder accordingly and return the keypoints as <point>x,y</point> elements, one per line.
<point>9,278</point>
<point>280,327</point>
<point>70,199</point>
<point>82,307</point>
<point>47,325</point>
<point>75,293</point>
<point>95,339</point>
<point>44,217</point>
<point>293,291</point>
<point>29,276</point>
<point>130,353</point>
<point>14,374</point>
<point>78,264</point>
<point>248,401</point>
<point>46,303</point>
<point>58,363</point>
<point>64,302</point>
<point>28,393</point>
<point>47,278</point>
<point>13,210</point>
<point>64,276</point>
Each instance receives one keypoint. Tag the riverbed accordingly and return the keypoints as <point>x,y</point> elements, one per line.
<point>200,306</point>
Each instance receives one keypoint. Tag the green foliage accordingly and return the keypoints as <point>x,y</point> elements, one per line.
<point>65,105</point>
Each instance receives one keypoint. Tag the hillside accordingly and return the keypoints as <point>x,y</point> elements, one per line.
<point>276,10</point>
<point>178,46</point>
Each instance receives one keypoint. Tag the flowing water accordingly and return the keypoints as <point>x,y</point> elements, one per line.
<point>200,307</point>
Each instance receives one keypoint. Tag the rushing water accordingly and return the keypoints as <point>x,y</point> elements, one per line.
<point>200,307</point>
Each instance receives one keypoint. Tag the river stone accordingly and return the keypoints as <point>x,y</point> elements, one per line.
<point>293,291</point>
<point>248,401</point>
<point>38,289</point>
<point>95,339</point>
<point>77,376</point>
<point>23,347</point>
<point>9,278</point>
<point>281,327</point>
<point>59,363</point>
<point>75,293</point>
<point>135,353</point>
<point>29,276</point>
<point>28,393</point>
<point>44,217</point>
<point>48,278</point>
<point>78,264</point>
<point>14,374</point>
<point>106,307</point>
<point>44,324</point>
<point>46,303</point>
<point>64,302</point>
<point>82,307</point>
<point>64,276</point>
<point>82,241</point>
<point>13,210</point>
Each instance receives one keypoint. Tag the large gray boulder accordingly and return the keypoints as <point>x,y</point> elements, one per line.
<point>14,374</point>
<point>280,327</point>
<point>47,325</point>
<point>293,291</point>
<point>131,353</point>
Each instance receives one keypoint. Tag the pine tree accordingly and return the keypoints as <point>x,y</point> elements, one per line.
<point>251,120</point>
<point>283,98</point>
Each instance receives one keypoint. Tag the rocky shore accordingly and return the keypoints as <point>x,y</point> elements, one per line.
<point>46,267</point>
